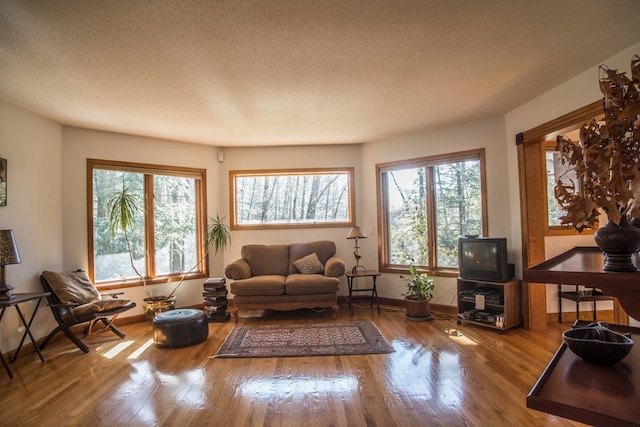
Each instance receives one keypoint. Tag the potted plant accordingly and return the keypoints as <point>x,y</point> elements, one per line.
<point>606,162</point>
<point>123,208</point>
<point>418,295</point>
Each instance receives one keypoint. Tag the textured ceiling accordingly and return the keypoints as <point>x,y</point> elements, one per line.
<point>280,72</point>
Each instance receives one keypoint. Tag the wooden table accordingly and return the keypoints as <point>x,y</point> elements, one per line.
<point>353,274</point>
<point>18,299</point>
<point>583,266</point>
<point>601,395</point>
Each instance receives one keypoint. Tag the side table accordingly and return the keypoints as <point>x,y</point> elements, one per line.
<point>354,274</point>
<point>591,393</point>
<point>15,302</point>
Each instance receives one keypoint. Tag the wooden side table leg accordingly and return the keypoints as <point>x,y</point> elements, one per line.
<point>6,365</point>
<point>620,317</point>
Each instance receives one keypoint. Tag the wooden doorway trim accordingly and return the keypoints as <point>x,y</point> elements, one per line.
<point>532,183</point>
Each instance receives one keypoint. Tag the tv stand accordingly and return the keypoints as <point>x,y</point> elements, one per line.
<point>494,305</point>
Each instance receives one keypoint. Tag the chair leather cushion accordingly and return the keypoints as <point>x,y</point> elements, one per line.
<point>105,305</point>
<point>72,288</point>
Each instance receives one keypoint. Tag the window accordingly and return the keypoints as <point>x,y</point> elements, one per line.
<point>292,198</point>
<point>425,205</point>
<point>556,171</point>
<point>167,236</point>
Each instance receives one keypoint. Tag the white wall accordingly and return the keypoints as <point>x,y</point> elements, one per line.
<point>81,144</point>
<point>569,96</point>
<point>487,134</point>
<point>33,149</point>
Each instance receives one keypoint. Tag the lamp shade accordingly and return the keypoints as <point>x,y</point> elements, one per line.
<point>356,233</point>
<point>8,249</point>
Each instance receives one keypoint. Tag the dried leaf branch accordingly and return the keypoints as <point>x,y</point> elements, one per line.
<point>606,160</point>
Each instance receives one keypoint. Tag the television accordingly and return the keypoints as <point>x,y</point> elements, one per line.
<point>484,258</point>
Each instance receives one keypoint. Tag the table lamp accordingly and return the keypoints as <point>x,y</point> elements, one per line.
<point>356,233</point>
<point>8,255</point>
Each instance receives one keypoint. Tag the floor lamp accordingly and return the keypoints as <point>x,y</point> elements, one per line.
<point>356,233</point>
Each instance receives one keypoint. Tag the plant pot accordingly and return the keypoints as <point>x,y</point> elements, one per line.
<point>619,243</point>
<point>418,310</point>
<point>156,305</point>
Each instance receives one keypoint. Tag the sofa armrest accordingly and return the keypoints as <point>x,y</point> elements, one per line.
<point>238,270</point>
<point>334,267</point>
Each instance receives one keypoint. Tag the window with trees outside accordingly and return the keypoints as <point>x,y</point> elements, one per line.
<point>166,239</point>
<point>292,198</point>
<point>425,205</point>
<point>556,171</point>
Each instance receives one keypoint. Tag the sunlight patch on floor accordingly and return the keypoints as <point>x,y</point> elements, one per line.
<point>460,338</point>
<point>120,347</point>
<point>141,349</point>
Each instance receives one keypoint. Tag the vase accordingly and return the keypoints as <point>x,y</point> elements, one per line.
<point>619,243</point>
<point>418,309</point>
<point>157,305</point>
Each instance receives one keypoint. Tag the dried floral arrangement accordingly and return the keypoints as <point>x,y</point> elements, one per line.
<point>606,159</point>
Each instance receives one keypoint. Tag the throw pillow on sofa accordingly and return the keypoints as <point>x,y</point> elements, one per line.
<point>309,264</point>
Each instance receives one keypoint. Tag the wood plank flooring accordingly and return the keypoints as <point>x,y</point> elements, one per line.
<point>441,374</point>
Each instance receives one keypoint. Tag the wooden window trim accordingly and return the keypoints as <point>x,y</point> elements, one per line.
<point>351,222</point>
<point>429,161</point>
<point>200,175</point>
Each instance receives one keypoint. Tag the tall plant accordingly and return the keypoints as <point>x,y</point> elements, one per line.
<point>125,205</point>
<point>218,236</point>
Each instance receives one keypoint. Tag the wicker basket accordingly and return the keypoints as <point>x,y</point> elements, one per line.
<point>418,309</point>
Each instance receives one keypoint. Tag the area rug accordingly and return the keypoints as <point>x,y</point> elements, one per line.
<point>328,339</point>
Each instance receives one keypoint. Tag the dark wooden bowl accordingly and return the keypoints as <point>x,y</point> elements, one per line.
<point>598,344</point>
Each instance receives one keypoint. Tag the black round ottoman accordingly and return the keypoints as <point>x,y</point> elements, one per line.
<point>180,328</point>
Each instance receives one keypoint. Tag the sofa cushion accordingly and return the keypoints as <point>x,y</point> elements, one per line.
<point>310,284</point>
<point>309,264</point>
<point>268,284</point>
<point>324,249</point>
<point>267,259</point>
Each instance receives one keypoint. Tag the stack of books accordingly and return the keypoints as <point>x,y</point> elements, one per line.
<point>6,292</point>
<point>214,293</point>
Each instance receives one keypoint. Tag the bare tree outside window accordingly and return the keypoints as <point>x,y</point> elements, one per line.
<point>292,198</point>
<point>426,205</point>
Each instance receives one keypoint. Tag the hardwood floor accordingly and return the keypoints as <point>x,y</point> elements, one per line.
<point>440,374</point>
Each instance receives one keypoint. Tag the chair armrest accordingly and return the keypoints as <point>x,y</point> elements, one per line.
<point>65,310</point>
<point>334,267</point>
<point>111,294</point>
<point>238,270</point>
<point>63,305</point>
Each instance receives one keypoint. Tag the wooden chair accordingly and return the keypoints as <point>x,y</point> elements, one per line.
<point>74,300</point>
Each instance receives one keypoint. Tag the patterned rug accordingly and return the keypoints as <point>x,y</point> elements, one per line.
<point>304,340</point>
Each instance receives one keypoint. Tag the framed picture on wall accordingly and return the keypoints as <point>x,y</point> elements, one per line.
<point>3,182</point>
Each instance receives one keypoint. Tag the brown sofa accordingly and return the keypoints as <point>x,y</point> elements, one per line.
<point>286,277</point>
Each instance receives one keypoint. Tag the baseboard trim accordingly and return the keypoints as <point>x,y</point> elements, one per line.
<point>399,303</point>
<point>570,316</point>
